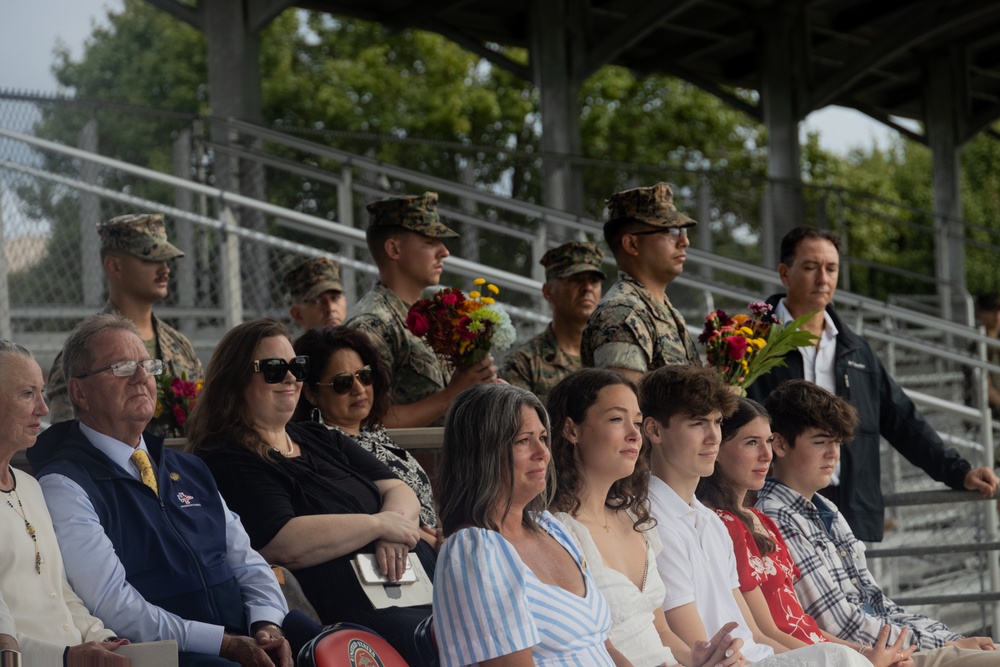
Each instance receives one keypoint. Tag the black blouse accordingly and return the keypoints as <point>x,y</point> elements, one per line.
<point>333,475</point>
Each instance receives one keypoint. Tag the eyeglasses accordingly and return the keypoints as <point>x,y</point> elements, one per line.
<point>274,370</point>
<point>675,232</point>
<point>341,384</point>
<point>126,369</point>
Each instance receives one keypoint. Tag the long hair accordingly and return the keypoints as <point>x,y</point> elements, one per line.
<point>322,343</point>
<point>475,479</point>
<point>222,410</point>
<point>571,398</point>
<point>718,491</point>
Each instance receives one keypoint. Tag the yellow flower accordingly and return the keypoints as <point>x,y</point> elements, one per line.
<point>479,281</point>
<point>746,331</point>
<point>493,288</point>
<point>474,295</point>
<point>759,343</point>
<point>738,320</point>
<point>159,410</point>
<point>489,301</point>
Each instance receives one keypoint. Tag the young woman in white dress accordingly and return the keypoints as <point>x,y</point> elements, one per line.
<point>602,479</point>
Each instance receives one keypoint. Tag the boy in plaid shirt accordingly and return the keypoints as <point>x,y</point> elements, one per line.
<point>836,587</point>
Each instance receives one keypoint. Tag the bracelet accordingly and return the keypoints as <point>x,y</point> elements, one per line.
<point>10,657</point>
<point>863,650</point>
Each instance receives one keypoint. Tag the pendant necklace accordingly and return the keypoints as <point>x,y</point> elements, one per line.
<point>28,528</point>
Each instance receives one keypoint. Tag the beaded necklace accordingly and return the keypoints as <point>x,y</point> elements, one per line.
<point>28,528</point>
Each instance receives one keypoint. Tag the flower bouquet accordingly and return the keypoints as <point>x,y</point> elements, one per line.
<point>462,329</point>
<point>744,347</point>
<point>175,399</point>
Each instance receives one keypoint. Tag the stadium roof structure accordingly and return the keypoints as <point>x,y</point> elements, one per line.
<point>871,56</point>
<point>933,61</point>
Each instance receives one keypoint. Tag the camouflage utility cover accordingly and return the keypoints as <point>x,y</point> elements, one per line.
<point>141,235</point>
<point>572,258</point>
<point>418,213</point>
<point>653,205</point>
<point>312,278</point>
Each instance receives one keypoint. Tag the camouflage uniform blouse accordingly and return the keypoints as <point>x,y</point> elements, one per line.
<point>416,371</point>
<point>539,364</point>
<point>631,329</point>
<point>174,349</point>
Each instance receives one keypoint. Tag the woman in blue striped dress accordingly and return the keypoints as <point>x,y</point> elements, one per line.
<point>511,587</point>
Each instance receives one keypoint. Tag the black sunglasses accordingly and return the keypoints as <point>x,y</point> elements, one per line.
<point>341,384</point>
<point>274,370</point>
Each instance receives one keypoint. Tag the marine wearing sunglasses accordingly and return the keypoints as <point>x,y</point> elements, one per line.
<point>342,383</point>
<point>275,369</point>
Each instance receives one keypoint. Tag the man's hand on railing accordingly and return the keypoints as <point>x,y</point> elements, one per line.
<point>983,480</point>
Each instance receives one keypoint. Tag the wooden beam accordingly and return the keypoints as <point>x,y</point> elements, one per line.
<point>261,12</point>
<point>193,17</point>
<point>630,32</point>
<point>470,43</point>
<point>922,26</point>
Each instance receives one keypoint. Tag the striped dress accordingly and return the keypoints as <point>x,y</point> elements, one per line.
<point>487,603</point>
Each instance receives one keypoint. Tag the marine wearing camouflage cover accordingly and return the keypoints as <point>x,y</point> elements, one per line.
<point>539,364</point>
<point>312,278</point>
<point>631,329</point>
<point>418,213</point>
<point>141,235</point>
<point>172,347</point>
<point>572,258</point>
<point>416,371</point>
<point>653,205</point>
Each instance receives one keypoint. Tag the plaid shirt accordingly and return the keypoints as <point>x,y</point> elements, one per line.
<point>836,587</point>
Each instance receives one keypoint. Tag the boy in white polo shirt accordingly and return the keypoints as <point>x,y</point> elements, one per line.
<point>683,407</point>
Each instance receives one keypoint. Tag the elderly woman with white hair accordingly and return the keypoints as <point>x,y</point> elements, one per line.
<point>44,619</point>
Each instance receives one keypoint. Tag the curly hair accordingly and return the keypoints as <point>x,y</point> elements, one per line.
<point>475,478</point>
<point>717,491</point>
<point>570,399</point>
<point>319,345</point>
<point>797,405</point>
<point>221,409</point>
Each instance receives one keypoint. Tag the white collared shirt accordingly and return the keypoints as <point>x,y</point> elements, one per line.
<point>818,359</point>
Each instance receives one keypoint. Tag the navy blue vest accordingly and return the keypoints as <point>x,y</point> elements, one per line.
<point>173,548</point>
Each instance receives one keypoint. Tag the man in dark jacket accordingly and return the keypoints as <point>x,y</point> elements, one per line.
<point>148,542</point>
<point>844,364</point>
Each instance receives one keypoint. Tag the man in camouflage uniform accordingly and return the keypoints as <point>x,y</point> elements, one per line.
<point>317,294</point>
<point>404,236</point>
<point>134,253</point>
<point>573,276</point>
<point>634,328</point>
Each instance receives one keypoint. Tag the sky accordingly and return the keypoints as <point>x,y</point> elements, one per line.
<point>30,30</point>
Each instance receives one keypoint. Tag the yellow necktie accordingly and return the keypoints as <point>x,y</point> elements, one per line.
<point>141,461</point>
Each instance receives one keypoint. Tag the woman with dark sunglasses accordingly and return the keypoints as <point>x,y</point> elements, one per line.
<point>310,498</point>
<point>347,388</point>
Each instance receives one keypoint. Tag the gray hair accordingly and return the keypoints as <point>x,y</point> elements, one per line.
<point>77,352</point>
<point>476,475</point>
<point>9,348</point>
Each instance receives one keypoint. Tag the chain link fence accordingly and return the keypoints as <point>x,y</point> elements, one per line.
<point>236,258</point>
